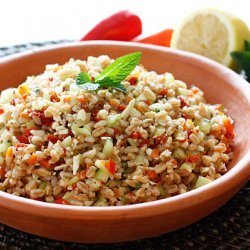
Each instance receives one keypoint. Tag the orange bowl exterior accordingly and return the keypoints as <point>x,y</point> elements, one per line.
<point>125,223</point>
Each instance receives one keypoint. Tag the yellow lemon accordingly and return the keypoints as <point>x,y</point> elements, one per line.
<point>211,33</point>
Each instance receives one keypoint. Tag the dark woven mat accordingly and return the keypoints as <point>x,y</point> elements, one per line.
<point>227,228</point>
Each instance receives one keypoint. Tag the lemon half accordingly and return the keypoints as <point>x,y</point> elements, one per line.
<point>211,33</point>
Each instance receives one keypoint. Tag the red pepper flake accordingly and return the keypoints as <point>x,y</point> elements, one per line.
<point>74,186</point>
<point>174,162</point>
<point>22,139</point>
<point>61,201</point>
<point>92,78</point>
<point>62,137</point>
<point>189,132</point>
<point>13,101</point>
<point>110,166</point>
<point>121,107</point>
<point>133,80</point>
<point>136,135</point>
<point>163,92</point>
<point>1,111</point>
<point>51,79</point>
<point>155,153</point>
<point>82,174</point>
<point>161,139</point>
<point>229,129</point>
<point>117,131</point>
<point>46,121</point>
<point>144,142</point>
<point>53,138</point>
<point>183,102</point>
<point>21,145</point>
<point>185,116</point>
<point>2,171</point>
<point>45,163</point>
<point>152,175</point>
<point>147,102</point>
<point>194,158</point>
<point>27,133</point>
<point>54,97</point>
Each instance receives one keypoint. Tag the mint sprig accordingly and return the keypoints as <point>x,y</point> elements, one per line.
<point>82,78</point>
<point>112,75</point>
<point>242,58</point>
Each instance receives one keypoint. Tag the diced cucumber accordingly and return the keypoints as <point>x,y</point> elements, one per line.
<point>102,175</point>
<point>201,181</point>
<point>100,164</point>
<point>108,147</point>
<point>30,124</point>
<point>159,130</point>
<point>179,154</point>
<point>131,141</point>
<point>67,141</point>
<point>4,146</point>
<point>205,126</point>
<point>161,190</point>
<point>101,203</point>
<point>67,196</point>
<point>188,166</point>
<point>73,180</point>
<point>139,160</point>
<point>43,185</point>
<point>113,119</point>
<point>180,136</point>
<point>82,131</point>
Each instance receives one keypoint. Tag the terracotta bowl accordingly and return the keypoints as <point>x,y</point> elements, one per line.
<point>125,223</point>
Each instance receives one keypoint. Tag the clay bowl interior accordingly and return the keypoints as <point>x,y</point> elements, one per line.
<point>117,224</point>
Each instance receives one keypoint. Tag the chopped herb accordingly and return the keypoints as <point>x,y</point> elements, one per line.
<point>137,185</point>
<point>112,75</point>
<point>36,90</point>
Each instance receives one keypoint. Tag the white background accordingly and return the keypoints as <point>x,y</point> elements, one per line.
<point>39,20</point>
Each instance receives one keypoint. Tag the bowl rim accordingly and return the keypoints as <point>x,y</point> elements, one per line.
<point>239,172</point>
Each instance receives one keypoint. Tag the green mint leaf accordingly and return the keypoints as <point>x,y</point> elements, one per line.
<point>242,58</point>
<point>247,45</point>
<point>89,86</point>
<point>82,78</point>
<point>119,69</point>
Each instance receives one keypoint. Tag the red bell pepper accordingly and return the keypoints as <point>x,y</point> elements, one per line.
<point>110,166</point>
<point>162,38</point>
<point>121,26</point>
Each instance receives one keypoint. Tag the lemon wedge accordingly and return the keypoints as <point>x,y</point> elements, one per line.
<point>211,33</point>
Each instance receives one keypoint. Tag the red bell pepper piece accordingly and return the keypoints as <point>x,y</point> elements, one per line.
<point>53,138</point>
<point>229,129</point>
<point>23,139</point>
<point>26,132</point>
<point>2,172</point>
<point>61,201</point>
<point>162,38</point>
<point>110,166</point>
<point>121,26</point>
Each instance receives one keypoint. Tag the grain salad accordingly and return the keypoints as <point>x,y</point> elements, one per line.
<point>103,143</point>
